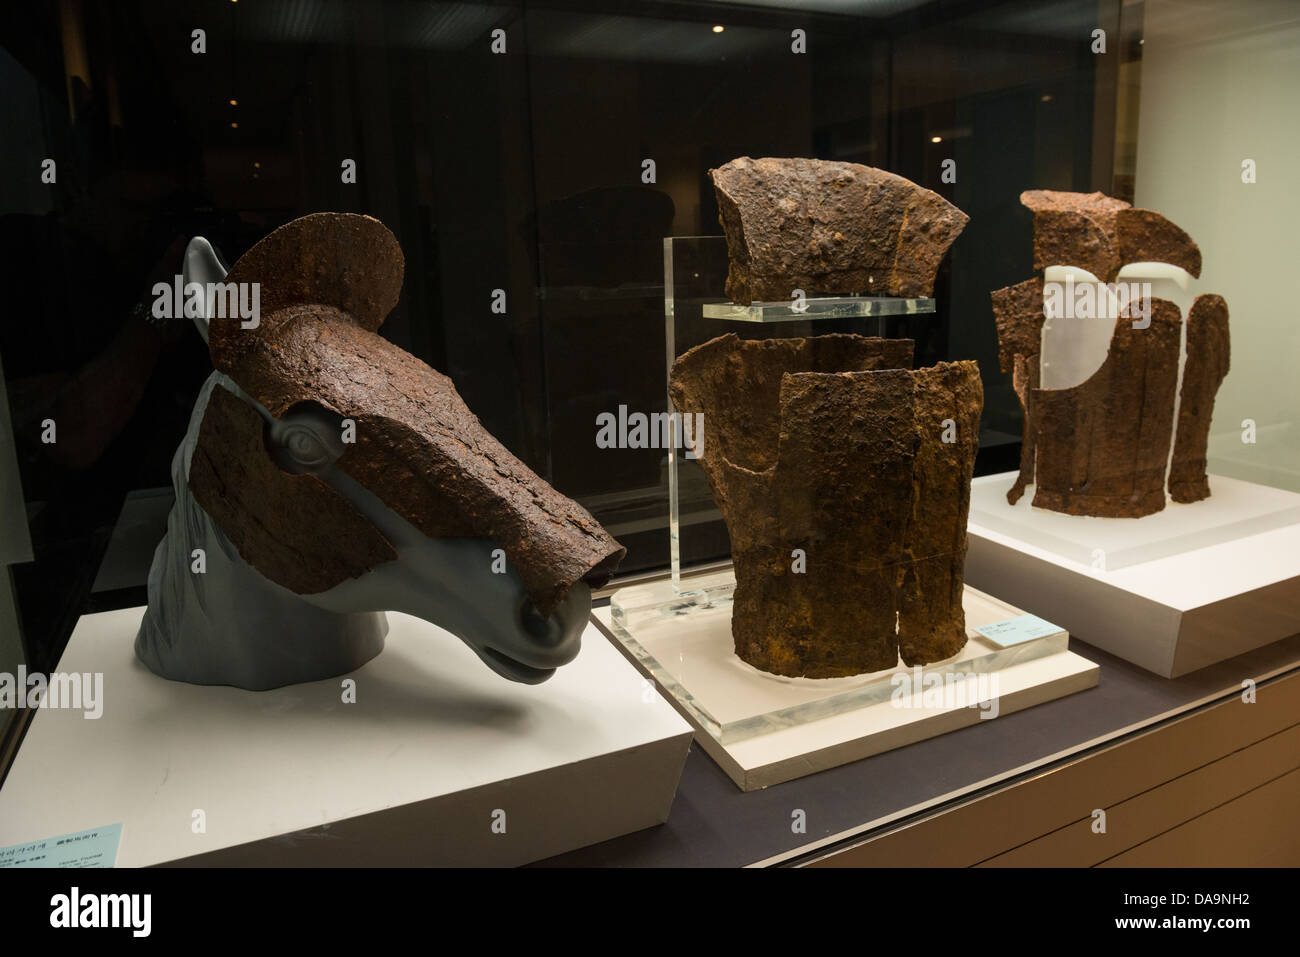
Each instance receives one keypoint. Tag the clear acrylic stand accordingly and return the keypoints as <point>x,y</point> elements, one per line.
<point>695,272</point>
<point>830,307</point>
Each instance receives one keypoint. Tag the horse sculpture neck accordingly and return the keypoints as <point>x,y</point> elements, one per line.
<point>212,619</point>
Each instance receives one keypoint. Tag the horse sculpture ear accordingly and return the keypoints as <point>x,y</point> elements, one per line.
<point>202,265</point>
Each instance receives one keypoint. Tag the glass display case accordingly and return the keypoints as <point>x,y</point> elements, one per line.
<point>572,382</point>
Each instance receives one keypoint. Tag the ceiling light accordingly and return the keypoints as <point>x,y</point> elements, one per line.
<point>718,28</point>
<point>936,139</point>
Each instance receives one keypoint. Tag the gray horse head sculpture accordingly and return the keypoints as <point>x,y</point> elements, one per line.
<point>328,477</point>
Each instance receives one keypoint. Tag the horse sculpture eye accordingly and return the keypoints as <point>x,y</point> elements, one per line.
<point>305,446</point>
<point>305,439</point>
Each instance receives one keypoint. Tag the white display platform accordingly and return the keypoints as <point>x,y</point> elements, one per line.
<point>836,729</point>
<point>1234,510</point>
<point>414,773</point>
<point>1227,579</point>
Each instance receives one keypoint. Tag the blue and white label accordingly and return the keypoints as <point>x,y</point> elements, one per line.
<point>96,847</point>
<point>1016,631</point>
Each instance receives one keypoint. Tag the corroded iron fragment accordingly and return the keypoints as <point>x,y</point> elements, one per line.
<point>418,447</point>
<point>829,228</point>
<point>1097,448</point>
<point>1204,370</point>
<point>842,488</point>
<point>352,263</point>
<point>1018,313</point>
<point>1075,229</point>
<point>832,449</point>
<point>746,430</point>
<point>1025,378</point>
<point>1103,445</point>
<point>947,403</point>
<point>305,536</point>
<point>1147,237</point>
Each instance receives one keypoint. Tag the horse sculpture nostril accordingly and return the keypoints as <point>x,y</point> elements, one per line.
<point>544,631</point>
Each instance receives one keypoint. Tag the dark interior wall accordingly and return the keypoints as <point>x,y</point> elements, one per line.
<point>518,171</point>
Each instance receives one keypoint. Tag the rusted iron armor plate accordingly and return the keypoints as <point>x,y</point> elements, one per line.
<point>1103,447</point>
<point>829,228</point>
<point>844,479</point>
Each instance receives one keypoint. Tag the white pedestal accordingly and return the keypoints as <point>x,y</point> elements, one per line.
<point>1172,592</point>
<point>762,729</point>
<point>412,773</point>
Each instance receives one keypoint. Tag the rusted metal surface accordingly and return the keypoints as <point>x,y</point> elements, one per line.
<point>1206,366</point>
<point>843,477</point>
<point>1102,447</point>
<point>328,280</point>
<point>829,228</point>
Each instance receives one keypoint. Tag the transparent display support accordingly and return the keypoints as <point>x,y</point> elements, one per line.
<point>831,307</point>
<point>695,311</point>
<point>685,644</point>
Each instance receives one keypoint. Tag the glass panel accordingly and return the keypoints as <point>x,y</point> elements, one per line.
<point>1228,76</point>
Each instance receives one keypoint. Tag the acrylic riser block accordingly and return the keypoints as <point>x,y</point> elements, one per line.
<point>687,646</point>
<point>763,729</point>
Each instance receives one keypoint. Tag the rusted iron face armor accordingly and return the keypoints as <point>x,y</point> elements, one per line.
<point>348,473</point>
<point>1111,445</point>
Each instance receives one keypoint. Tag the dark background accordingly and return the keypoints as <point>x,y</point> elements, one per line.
<point>519,171</point>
